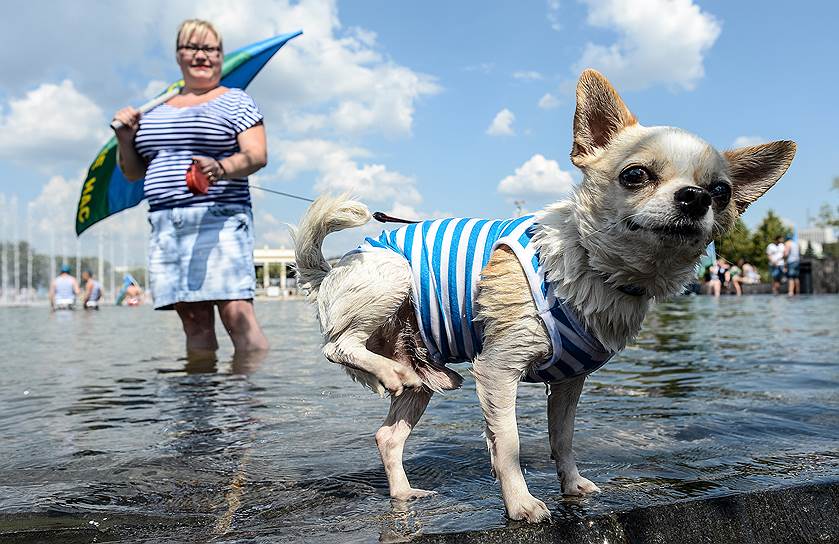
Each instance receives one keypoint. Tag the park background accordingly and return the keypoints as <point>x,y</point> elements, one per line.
<point>422,110</point>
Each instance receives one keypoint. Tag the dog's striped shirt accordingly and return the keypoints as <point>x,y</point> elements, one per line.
<point>446,258</point>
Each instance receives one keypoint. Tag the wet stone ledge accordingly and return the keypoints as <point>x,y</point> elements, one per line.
<point>801,514</point>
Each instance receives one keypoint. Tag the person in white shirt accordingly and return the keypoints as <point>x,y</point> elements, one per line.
<point>792,256</point>
<point>775,254</point>
<point>63,290</point>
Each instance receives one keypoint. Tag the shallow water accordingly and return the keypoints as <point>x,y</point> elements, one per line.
<point>101,419</point>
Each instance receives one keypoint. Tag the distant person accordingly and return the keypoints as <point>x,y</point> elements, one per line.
<point>724,272</point>
<point>63,290</point>
<point>750,272</point>
<point>713,279</point>
<point>792,256</point>
<point>736,272</point>
<point>92,291</point>
<point>130,294</point>
<point>745,274</point>
<point>775,255</point>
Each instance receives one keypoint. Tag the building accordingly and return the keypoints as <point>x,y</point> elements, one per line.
<point>816,237</point>
<point>283,286</point>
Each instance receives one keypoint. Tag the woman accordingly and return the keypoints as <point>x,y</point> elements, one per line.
<point>724,274</point>
<point>713,282</point>
<point>201,246</point>
<point>736,273</point>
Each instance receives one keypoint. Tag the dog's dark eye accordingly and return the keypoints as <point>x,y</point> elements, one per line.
<point>721,193</point>
<point>634,177</point>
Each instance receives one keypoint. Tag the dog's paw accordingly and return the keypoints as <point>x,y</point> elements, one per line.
<point>529,509</point>
<point>407,376</point>
<point>411,493</point>
<point>578,486</point>
<point>397,378</point>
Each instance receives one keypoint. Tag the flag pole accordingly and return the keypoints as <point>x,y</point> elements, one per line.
<point>151,104</point>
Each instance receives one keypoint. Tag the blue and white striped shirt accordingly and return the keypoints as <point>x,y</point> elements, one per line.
<point>446,258</point>
<point>169,137</point>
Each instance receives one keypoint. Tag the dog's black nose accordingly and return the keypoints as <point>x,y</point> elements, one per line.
<point>693,201</point>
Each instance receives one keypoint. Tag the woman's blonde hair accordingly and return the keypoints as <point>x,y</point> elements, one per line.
<point>192,26</point>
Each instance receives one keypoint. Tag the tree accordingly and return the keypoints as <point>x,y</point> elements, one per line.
<point>770,228</point>
<point>737,244</point>
<point>827,217</point>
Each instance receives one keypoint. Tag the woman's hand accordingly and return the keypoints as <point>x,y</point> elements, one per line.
<point>130,119</point>
<point>209,167</point>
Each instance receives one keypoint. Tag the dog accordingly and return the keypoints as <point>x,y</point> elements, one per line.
<point>544,298</point>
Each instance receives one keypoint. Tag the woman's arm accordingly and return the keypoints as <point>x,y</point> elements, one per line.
<point>133,166</point>
<point>252,156</point>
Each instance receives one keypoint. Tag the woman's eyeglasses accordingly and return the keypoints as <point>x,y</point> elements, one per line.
<point>209,50</point>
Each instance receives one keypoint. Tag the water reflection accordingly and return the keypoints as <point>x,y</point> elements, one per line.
<point>715,397</point>
<point>206,362</point>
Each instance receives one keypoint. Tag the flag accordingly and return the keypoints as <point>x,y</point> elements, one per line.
<point>106,191</point>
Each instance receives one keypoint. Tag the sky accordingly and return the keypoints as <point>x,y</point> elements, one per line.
<point>421,109</point>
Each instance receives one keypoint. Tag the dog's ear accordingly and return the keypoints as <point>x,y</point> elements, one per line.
<point>600,115</point>
<point>756,168</point>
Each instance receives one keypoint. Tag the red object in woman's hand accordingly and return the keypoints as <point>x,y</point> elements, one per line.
<point>196,181</point>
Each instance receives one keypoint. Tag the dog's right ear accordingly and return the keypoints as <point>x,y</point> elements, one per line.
<point>755,169</point>
<point>600,115</point>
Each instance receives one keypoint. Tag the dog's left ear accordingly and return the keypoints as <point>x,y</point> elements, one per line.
<point>600,116</point>
<point>755,169</point>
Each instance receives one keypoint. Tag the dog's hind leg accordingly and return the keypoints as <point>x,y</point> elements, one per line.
<point>562,408</point>
<point>350,350</point>
<point>405,412</point>
<point>359,295</point>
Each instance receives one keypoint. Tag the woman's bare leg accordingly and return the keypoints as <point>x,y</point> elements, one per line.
<point>239,320</point>
<point>198,319</point>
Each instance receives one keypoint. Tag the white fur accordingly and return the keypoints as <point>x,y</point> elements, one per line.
<point>604,237</point>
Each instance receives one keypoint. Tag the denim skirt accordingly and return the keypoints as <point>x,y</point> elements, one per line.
<point>201,254</point>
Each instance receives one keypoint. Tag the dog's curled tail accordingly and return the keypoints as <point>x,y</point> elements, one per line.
<point>327,214</point>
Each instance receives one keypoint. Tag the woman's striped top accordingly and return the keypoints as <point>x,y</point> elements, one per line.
<point>446,258</point>
<point>169,137</point>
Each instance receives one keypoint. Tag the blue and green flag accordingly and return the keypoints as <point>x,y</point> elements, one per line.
<point>106,191</point>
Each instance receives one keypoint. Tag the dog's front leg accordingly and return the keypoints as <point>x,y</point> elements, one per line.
<point>562,409</point>
<point>497,387</point>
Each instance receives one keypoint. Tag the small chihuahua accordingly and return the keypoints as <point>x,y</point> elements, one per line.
<point>549,297</point>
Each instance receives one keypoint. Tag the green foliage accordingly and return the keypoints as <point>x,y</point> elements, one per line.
<point>770,228</point>
<point>827,217</point>
<point>737,244</point>
<point>831,250</point>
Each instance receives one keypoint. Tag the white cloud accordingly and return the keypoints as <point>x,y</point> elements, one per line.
<point>745,141</point>
<point>332,83</point>
<point>340,75</point>
<point>553,14</point>
<point>154,88</point>
<point>338,171</point>
<point>539,176</point>
<point>52,215</point>
<point>485,68</point>
<point>52,122</point>
<point>330,70</point>
<point>528,75</point>
<point>271,232</point>
<point>502,124</point>
<point>660,42</point>
<point>548,102</point>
